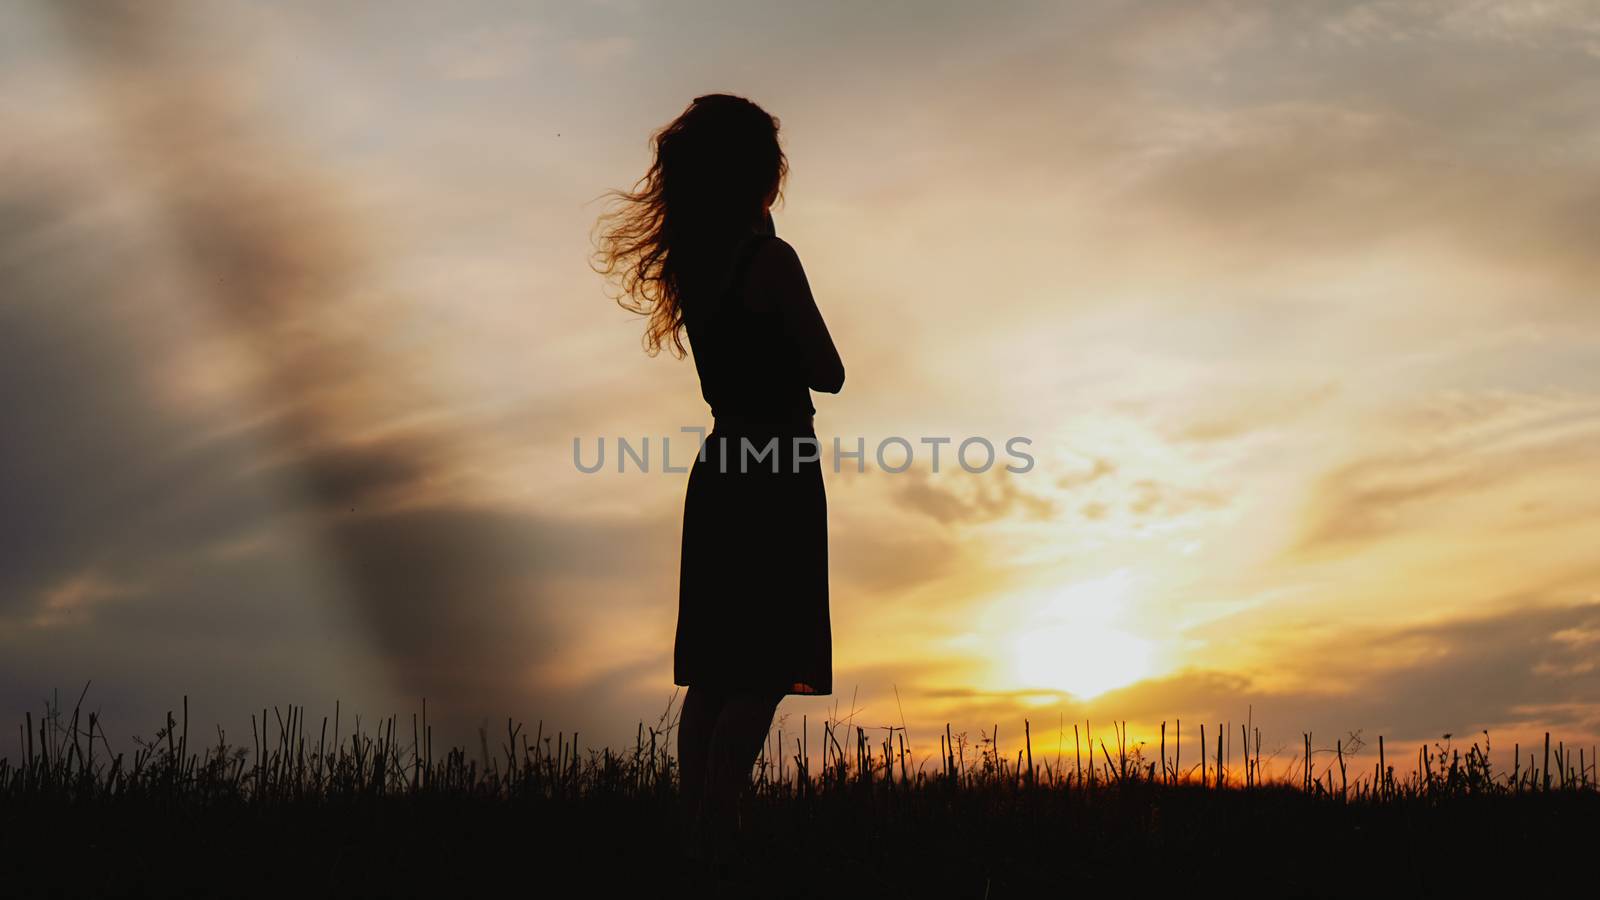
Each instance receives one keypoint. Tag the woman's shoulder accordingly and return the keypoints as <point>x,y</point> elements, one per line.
<point>772,272</point>
<point>773,259</point>
<point>770,246</point>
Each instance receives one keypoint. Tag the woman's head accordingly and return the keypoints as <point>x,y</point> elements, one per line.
<point>717,168</point>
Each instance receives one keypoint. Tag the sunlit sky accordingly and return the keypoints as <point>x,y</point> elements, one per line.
<point>1296,303</point>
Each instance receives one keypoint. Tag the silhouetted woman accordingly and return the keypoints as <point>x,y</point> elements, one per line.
<point>694,248</point>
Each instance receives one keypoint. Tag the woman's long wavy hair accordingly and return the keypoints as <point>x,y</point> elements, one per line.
<point>674,234</point>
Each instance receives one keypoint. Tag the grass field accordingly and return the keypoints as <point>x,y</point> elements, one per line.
<point>310,809</point>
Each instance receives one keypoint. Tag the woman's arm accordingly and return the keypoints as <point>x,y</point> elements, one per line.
<point>778,281</point>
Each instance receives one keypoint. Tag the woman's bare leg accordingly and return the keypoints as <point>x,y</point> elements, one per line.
<point>742,726</point>
<point>697,725</point>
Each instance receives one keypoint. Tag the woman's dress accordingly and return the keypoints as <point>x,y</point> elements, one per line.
<point>753,580</point>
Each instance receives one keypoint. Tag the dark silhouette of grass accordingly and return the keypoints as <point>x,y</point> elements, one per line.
<point>316,811</point>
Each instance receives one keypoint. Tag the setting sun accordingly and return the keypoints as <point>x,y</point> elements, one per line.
<point>1082,660</point>
<point>1070,640</point>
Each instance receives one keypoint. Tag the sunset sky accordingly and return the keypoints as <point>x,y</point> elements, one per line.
<point>1296,302</point>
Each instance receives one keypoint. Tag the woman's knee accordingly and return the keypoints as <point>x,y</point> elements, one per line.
<point>703,705</point>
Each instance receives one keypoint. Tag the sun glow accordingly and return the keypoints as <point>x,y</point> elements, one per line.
<point>1068,641</point>
<point>1083,661</point>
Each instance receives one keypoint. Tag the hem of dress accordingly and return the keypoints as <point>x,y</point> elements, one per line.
<point>797,688</point>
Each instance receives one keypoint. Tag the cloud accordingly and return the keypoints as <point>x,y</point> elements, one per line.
<point>959,497</point>
<point>1100,468</point>
<point>1465,445</point>
<point>1238,413</point>
<point>72,600</point>
<point>1501,671</point>
<point>449,594</point>
<point>1157,499</point>
<point>599,51</point>
<point>486,53</point>
<point>874,561</point>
